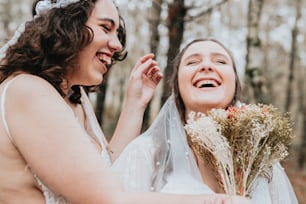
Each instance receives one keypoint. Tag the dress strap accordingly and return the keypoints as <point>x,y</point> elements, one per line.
<point>2,107</point>
<point>91,120</point>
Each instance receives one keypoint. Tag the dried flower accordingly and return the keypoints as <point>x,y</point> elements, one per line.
<point>241,143</point>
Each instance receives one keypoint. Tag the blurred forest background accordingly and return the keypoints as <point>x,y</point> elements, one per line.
<point>266,37</point>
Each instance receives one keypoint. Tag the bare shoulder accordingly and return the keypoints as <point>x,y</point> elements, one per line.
<point>30,95</point>
<point>32,92</point>
<point>27,85</point>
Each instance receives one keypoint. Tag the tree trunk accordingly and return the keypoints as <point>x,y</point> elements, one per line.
<point>302,101</point>
<point>293,56</point>
<point>255,84</point>
<point>154,20</point>
<point>302,108</point>
<point>176,25</point>
<point>302,153</point>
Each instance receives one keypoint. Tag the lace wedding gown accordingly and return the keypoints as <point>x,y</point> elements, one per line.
<point>161,160</point>
<point>92,128</point>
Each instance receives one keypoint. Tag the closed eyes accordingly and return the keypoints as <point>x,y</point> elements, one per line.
<point>215,58</point>
<point>192,62</point>
<point>221,61</point>
<point>107,24</point>
<point>106,28</point>
<point>216,61</point>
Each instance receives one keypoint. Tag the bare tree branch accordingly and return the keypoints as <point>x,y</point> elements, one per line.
<point>204,12</point>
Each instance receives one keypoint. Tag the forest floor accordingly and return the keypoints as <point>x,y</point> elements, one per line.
<point>297,177</point>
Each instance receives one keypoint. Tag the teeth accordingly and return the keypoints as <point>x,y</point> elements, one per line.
<point>105,59</point>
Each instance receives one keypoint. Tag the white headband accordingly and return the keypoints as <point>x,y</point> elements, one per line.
<point>41,7</point>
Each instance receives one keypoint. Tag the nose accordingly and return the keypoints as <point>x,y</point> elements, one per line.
<point>207,66</point>
<point>114,43</point>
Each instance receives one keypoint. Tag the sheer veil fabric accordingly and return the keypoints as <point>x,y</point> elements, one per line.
<point>161,160</point>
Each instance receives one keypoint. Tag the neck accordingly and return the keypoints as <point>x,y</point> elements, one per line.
<point>66,87</point>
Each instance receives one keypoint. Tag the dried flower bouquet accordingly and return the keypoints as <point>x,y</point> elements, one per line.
<point>240,144</point>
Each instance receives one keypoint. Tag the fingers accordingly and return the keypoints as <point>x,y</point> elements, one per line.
<point>147,67</point>
<point>237,200</point>
<point>143,65</point>
<point>226,199</point>
<point>146,57</point>
<point>214,199</point>
<point>157,77</point>
<point>143,59</point>
<point>154,74</point>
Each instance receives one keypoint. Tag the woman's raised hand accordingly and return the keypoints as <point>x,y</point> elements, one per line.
<point>144,78</point>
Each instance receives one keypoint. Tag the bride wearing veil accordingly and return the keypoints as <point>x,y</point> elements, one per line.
<point>161,160</point>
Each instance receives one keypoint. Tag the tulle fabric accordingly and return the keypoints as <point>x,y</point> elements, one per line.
<point>281,190</point>
<point>161,160</point>
<point>159,155</point>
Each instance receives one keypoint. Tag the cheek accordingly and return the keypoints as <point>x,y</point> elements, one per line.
<point>184,76</point>
<point>182,80</point>
<point>231,85</point>
<point>99,36</point>
<point>229,76</point>
<point>96,38</point>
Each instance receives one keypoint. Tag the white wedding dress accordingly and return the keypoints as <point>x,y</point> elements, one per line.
<point>161,160</point>
<point>92,128</point>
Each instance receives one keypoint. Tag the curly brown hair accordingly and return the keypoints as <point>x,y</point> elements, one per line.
<point>51,42</point>
<point>174,79</point>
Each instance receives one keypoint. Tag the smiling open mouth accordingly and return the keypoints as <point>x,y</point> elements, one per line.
<point>105,59</point>
<point>209,83</point>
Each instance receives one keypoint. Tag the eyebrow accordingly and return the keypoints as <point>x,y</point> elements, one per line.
<point>111,21</point>
<point>212,54</point>
<point>192,56</point>
<point>219,54</point>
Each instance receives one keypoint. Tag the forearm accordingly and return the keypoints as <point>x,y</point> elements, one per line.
<point>160,198</point>
<point>154,198</point>
<point>143,80</point>
<point>128,127</point>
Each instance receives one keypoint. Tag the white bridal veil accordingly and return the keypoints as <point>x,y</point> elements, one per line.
<point>158,155</point>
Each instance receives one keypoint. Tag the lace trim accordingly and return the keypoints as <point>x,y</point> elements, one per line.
<point>50,197</point>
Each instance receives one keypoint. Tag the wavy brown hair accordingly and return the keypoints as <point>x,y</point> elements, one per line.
<point>174,80</point>
<point>51,42</point>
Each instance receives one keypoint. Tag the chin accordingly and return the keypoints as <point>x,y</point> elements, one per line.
<point>97,80</point>
<point>207,106</point>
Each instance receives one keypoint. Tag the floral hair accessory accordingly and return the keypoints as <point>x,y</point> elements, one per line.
<point>13,40</point>
<point>43,6</point>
